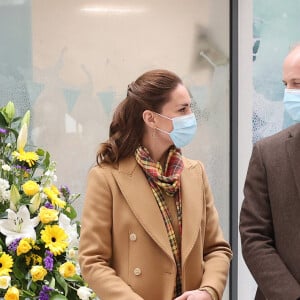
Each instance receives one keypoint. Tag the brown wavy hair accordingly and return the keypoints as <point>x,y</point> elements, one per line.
<point>149,92</point>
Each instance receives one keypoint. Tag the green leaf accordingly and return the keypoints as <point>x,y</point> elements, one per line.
<point>19,268</point>
<point>28,293</point>
<point>52,283</point>
<point>13,131</point>
<point>75,278</point>
<point>16,119</point>
<point>3,121</point>
<point>70,212</point>
<point>61,282</point>
<point>31,285</point>
<point>40,152</point>
<point>2,243</point>
<point>46,161</point>
<point>58,297</point>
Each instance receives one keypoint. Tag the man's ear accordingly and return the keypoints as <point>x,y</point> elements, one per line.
<point>149,118</point>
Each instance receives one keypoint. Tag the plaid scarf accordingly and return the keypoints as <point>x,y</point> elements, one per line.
<point>167,180</point>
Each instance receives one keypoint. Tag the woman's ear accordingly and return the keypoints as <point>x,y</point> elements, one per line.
<point>149,118</point>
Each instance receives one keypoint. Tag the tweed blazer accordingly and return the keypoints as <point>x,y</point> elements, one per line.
<point>124,250</point>
<point>270,216</point>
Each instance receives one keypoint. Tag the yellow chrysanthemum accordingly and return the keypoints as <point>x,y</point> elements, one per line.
<point>29,157</point>
<point>25,174</point>
<point>36,259</point>
<point>27,259</point>
<point>12,294</point>
<point>6,263</point>
<point>55,238</point>
<point>33,259</point>
<point>48,215</point>
<point>25,245</point>
<point>67,269</point>
<point>55,190</point>
<point>30,188</point>
<point>54,198</point>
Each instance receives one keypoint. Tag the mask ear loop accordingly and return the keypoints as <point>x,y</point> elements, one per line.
<point>163,116</point>
<point>161,130</point>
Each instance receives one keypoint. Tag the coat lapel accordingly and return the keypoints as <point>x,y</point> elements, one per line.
<point>139,196</point>
<point>192,194</point>
<point>293,149</point>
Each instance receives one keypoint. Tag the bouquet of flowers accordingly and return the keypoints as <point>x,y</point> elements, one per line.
<point>38,232</point>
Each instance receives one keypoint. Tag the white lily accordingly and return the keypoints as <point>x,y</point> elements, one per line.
<point>84,293</point>
<point>35,203</point>
<point>14,197</point>
<point>22,138</point>
<point>71,230</point>
<point>18,225</point>
<point>9,111</point>
<point>26,119</point>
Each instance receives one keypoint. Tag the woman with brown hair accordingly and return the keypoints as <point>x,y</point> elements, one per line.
<point>150,229</point>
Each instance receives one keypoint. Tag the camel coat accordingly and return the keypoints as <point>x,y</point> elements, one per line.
<point>270,216</point>
<point>124,250</point>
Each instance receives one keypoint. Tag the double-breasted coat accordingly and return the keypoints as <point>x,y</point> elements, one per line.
<point>270,216</point>
<point>124,250</point>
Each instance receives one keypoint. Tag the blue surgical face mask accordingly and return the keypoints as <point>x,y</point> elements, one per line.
<point>291,103</point>
<point>184,129</point>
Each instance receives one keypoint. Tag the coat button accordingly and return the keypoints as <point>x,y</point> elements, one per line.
<point>132,236</point>
<point>137,271</point>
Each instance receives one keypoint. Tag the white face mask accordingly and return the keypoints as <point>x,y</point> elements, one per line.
<point>291,103</point>
<point>184,129</point>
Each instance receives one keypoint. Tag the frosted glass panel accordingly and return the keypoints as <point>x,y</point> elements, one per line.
<point>71,61</point>
<point>269,51</point>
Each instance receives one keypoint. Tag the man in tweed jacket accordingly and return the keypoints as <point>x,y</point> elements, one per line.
<point>270,214</point>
